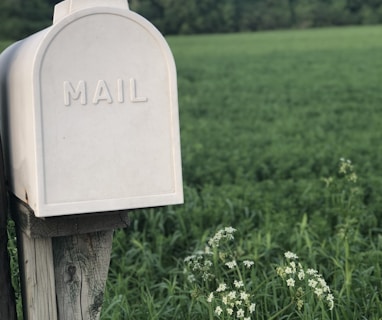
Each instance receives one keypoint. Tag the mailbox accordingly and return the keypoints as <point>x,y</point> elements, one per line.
<point>90,113</point>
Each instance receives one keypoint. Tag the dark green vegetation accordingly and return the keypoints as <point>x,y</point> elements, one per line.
<point>265,117</point>
<point>20,18</point>
<point>211,16</point>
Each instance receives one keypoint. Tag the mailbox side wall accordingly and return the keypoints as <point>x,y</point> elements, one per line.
<point>18,118</point>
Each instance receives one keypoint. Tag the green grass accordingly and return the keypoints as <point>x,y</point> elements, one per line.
<point>264,118</point>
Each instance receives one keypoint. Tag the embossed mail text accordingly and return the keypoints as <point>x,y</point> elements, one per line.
<point>103,92</point>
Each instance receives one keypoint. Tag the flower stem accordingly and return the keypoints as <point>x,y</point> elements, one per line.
<point>281,311</point>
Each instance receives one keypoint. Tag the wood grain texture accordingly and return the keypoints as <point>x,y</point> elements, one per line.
<point>81,267</point>
<point>64,278</point>
<point>7,297</point>
<point>64,262</point>
<point>37,278</point>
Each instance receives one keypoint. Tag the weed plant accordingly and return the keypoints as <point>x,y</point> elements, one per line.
<point>265,118</point>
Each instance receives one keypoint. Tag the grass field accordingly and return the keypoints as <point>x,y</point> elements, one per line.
<point>265,119</point>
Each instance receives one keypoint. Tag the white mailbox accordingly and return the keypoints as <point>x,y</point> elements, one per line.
<point>90,113</point>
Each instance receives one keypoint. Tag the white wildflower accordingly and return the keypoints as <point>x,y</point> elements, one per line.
<point>252,308</point>
<point>240,313</point>
<point>301,274</point>
<point>330,300</point>
<point>222,287</point>
<point>232,295</point>
<point>207,263</point>
<point>290,282</point>
<point>238,284</point>
<point>311,272</point>
<point>207,250</point>
<point>280,271</point>
<point>191,278</point>
<point>229,229</point>
<point>248,263</point>
<point>312,283</point>
<point>290,255</point>
<point>231,264</point>
<point>318,292</point>
<point>288,270</point>
<point>323,284</point>
<point>218,310</point>
<point>244,296</point>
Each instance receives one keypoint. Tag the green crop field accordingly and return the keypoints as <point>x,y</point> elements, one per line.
<point>281,138</point>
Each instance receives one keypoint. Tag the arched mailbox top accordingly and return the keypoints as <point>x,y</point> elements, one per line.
<point>94,125</point>
<point>142,27</point>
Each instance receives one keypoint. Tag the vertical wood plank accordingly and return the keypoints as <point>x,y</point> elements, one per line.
<point>36,264</point>
<point>81,267</point>
<point>7,296</point>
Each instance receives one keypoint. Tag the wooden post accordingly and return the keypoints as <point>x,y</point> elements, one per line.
<point>37,277</point>
<point>64,262</point>
<point>7,297</point>
<point>81,265</point>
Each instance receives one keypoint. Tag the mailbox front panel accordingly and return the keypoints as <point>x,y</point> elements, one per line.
<point>106,116</point>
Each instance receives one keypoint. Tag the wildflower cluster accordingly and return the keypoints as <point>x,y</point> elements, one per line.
<point>222,235</point>
<point>345,201</point>
<point>217,267</point>
<point>223,278</point>
<point>231,299</point>
<point>304,282</point>
<point>200,264</point>
<point>347,170</point>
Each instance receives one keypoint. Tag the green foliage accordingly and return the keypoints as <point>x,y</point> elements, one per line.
<point>209,16</point>
<point>265,119</point>
<point>21,18</point>
<point>14,266</point>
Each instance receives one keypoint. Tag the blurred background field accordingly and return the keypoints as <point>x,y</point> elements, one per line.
<point>265,119</point>
<point>20,18</point>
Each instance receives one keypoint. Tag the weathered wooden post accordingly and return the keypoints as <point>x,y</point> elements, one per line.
<point>91,128</point>
<point>7,297</point>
